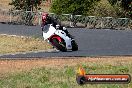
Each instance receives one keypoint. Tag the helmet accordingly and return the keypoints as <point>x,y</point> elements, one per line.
<point>44,16</point>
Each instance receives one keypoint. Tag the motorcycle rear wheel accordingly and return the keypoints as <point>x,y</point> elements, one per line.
<point>74,46</point>
<point>59,45</point>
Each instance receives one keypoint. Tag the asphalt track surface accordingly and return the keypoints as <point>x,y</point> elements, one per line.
<point>91,42</point>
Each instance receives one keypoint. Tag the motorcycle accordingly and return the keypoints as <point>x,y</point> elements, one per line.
<point>59,39</point>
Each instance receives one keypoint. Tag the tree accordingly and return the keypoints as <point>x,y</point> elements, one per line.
<point>123,3</point>
<point>79,7</point>
<point>126,5</point>
<point>113,2</point>
<point>26,5</point>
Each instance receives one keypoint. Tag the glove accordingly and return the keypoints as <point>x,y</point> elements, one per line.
<point>42,28</point>
<point>64,28</point>
<point>57,26</point>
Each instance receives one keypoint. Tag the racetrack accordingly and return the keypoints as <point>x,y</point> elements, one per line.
<point>92,42</point>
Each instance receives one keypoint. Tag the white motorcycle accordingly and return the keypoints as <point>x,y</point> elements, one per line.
<point>59,39</point>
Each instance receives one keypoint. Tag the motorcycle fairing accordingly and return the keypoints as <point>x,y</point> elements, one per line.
<point>63,35</point>
<point>48,31</point>
<point>56,37</point>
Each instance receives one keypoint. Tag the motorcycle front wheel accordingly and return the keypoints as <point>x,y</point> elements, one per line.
<point>59,45</point>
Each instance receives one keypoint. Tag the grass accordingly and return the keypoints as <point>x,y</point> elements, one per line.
<point>13,44</point>
<point>64,76</point>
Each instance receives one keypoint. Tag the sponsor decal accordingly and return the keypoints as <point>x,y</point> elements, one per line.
<point>83,78</point>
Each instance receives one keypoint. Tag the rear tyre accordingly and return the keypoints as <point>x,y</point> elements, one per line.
<point>59,45</point>
<point>74,46</point>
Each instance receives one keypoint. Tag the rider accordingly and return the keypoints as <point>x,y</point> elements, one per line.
<point>46,19</point>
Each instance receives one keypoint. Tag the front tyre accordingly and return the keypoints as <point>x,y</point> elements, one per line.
<point>59,45</point>
<point>74,46</point>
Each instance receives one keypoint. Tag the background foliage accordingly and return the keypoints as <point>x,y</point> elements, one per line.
<point>79,7</point>
<point>26,5</point>
<point>122,7</point>
<point>114,8</point>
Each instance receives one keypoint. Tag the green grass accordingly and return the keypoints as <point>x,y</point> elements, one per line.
<point>14,44</point>
<point>64,77</point>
